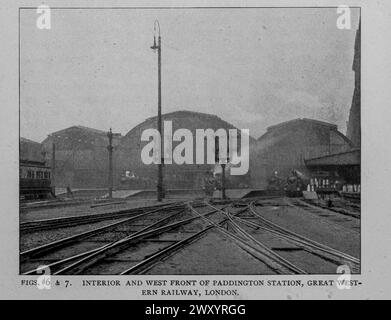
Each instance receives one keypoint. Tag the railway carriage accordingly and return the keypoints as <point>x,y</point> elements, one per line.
<point>34,180</point>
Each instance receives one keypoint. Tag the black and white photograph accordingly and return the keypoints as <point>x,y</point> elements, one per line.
<point>190,141</point>
<point>176,152</point>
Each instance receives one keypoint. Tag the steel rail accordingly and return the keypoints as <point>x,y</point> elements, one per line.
<point>84,254</point>
<point>301,237</point>
<point>47,224</point>
<point>257,253</point>
<point>71,239</point>
<point>82,264</point>
<point>341,211</point>
<point>166,252</point>
<point>264,247</point>
<point>267,256</point>
<point>309,247</point>
<point>158,257</point>
<point>318,213</point>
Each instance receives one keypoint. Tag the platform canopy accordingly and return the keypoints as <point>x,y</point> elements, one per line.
<point>349,158</point>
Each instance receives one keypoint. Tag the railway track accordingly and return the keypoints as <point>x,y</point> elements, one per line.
<point>137,253</point>
<point>47,224</point>
<point>244,236</point>
<point>76,245</point>
<point>348,209</point>
<point>348,222</point>
<point>256,249</point>
<point>132,251</point>
<point>318,206</point>
<point>136,244</point>
<point>266,229</point>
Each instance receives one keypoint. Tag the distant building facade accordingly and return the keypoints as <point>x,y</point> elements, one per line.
<point>81,157</point>
<point>136,175</point>
<point>31,150</point>
<point>286,146</point>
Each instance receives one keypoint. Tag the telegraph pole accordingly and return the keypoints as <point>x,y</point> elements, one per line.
<point>53,165</point>
<point>110,149</point>
<point>223,181</point>
<point>223,165</point>
<point>217,160</point>
<point>158,47</point>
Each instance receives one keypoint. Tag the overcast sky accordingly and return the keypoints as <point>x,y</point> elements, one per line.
<point>251,67</point>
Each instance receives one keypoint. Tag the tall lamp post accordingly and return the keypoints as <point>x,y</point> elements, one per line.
<point>53,165</point>
<point>110,149</point>
<point>223,165</point>
<point>158,47</point>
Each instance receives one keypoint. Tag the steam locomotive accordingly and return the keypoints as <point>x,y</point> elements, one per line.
<point>293,185</point>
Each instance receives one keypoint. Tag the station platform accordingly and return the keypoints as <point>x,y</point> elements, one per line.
<point>245,193</point>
